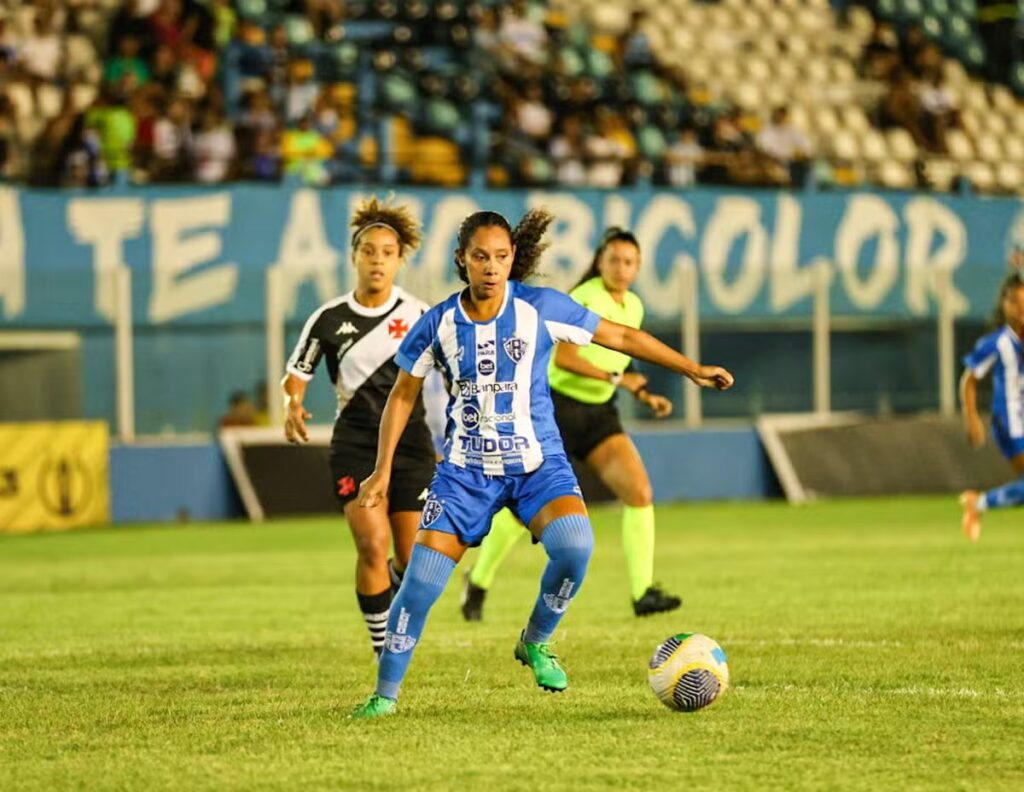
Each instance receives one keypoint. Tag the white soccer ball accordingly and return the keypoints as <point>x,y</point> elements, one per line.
<point>688,672</point>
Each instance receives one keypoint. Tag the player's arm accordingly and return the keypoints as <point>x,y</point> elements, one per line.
<point>392,423</point>
<point>969,401</point>
<point>568,357</point>
<point>295,415</point>
<point>638,344</point>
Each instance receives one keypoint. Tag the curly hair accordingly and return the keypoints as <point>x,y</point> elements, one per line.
<point>527,237</point>
<point>613,234</point>
<point>1013,281</point>
<point>374,212</point>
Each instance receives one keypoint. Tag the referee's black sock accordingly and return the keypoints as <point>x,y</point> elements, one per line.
<point>375,608</point>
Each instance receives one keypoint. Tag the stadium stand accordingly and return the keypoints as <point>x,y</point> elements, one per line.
<point>907,94</point>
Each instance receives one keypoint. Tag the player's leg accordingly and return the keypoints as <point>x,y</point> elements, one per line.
<point>974,504</point>
<point>371,531</point>
<point>617,462</point>
<point>410,483</point>
<point>456,514</point>
<point>404,525</point>
<point>505,531</point>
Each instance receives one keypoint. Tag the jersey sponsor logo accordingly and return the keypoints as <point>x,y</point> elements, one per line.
<point>470,417</point>
<point>347,328</point>
<point>486,347</point>
<point>469,388</point>
<point>515,348</point>
<point>397,328</point>
<point>346,486</point>
<point>560,601</point>
<point>432,509</point>
<point>485,367</point>
<point>493,445</point>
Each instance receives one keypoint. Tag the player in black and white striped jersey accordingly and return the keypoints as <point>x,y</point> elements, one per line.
<point>358,335</point>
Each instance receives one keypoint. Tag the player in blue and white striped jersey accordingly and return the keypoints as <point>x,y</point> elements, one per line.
<point>493,342</point>
<point>999,353</point>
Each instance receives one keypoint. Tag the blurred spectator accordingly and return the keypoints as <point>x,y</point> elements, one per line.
<point>127,63</point>
<point>939,111</point>
<point>241,411</point>
<point>265,163</point>
<point>912,44</point>
<point>606,154</point>
<point>305,152</point>
<point>168,24</point>
<point>881,54</point>
<point>901,107</point>
<point>302,92</point>
<point>786,145</point>
<point>225,22</point>
<point>214,148</point>
<point>172,142</point>
<point>533,116</point>
<point>684,157</point>
<point>166,69</point>
<point>568,150</point>
<point>114,128</point>
<point>52,147</point>
<point>130,21</point>
<point>8,138</point>
<point>634,48</point>
<point>40,53</point>
<point>524,36</point>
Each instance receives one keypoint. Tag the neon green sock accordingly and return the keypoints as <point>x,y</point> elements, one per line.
<point>638,544</point>
<point>506,530</point>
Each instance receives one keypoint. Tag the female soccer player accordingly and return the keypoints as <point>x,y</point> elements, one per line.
<point>493,341</point>
<point>583,383</point>
<point>358,334</point>
<point>999,352</point>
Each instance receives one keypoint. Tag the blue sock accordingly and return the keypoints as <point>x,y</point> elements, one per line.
<point>424,580</point>
<point>1011,494</point>
<point>569,541</point>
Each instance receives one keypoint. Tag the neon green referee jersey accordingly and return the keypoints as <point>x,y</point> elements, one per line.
<point>593,295</point>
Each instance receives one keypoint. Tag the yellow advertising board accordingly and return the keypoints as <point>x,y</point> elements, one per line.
<point>53,476</point>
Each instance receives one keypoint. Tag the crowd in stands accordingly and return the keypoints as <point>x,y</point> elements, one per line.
<point>94,92</point>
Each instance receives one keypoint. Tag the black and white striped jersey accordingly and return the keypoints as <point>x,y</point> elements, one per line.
<point>359,346</point>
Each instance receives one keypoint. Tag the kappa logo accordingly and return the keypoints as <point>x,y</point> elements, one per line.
<point>347,328</point>
<point>432,509</point>
<point>515,348</point>
<point>560,601</point>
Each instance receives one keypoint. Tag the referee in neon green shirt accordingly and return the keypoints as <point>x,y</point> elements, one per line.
<point>584,381</point>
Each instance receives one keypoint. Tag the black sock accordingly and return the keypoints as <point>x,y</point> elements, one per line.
<point>375,609</point>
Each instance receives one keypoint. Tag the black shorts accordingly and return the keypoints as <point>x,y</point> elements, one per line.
<point>585,426</point>
<point>353,457</point>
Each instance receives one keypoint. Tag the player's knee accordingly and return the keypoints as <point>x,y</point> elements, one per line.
<point>570,540</point>
<point>639,496</point>
<point>372,549</point>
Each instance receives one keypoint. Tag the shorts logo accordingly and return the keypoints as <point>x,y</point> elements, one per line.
<point>559,602</point>
<point>470,417</point>
<point>346,486</point>
<point>432,509</point>
<point>515,348</point>
<point>485,367</point>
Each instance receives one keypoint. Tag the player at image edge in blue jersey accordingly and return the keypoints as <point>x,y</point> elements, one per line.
<point>999,353</point>
<point>493,342</point>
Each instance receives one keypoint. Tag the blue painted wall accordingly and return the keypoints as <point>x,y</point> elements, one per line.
<point>169,483</point>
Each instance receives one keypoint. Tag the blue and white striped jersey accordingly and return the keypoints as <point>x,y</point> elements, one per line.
<point>1000,353</point>
<point>500,418</point>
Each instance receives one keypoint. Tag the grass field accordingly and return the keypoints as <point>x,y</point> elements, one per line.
<point>870,646</point>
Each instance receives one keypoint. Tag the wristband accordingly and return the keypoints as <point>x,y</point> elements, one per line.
<point>615,378</point>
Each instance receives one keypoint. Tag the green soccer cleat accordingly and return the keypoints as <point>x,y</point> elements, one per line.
<point>544,663</point>
<point>375,707</point>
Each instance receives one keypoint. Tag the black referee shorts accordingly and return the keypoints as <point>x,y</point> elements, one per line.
<point>353,457</point>
<point>585,426</point>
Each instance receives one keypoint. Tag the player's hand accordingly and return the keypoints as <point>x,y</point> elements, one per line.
<point>295,423</point>
<point>976,431</point>
<point>373,489</point>
<point>714,377</point>
<point>661,406</point>
<point>633,381</point>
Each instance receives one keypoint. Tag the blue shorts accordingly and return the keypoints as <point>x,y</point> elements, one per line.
<point>1009,446</point>
<point>463,501</point>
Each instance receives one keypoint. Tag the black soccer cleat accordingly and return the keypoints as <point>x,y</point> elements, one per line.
<point>472,600</point>
<point>655,600</point>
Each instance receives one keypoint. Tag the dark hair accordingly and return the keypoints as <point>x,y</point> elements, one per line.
<point>613,234</point>
<point>526,237</point>
<point>1015,280</point>
<point>396,217</point>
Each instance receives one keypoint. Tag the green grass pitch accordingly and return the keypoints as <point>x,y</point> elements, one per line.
<point>870,645</point>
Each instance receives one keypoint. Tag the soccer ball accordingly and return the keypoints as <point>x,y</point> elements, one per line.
<point>688,672</point>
